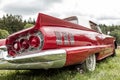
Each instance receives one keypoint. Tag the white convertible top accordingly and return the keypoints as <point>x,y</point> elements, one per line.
<point>81,21</point>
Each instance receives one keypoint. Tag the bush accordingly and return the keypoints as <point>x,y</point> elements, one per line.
<point>3,34</point>
<point>28,26</point>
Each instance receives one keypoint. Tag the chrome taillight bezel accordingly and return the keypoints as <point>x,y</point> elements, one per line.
<point>30,49</point>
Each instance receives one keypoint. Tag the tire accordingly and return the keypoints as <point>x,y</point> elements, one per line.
<point>114,53</point>
<point>115,47</point>
<point>90,63</point>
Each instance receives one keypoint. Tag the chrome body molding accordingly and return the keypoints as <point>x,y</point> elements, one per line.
<point>54,58</point>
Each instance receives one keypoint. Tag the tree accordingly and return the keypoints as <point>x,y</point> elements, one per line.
<point>11,23</point>
<point>116,34</point>
<point>103,28</point>
<point>31,21</point>
<point>3,34</point>
<point>14,23</point>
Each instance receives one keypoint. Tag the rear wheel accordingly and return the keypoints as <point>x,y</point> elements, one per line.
<point>90,63</point>
<point>115,47</point>
<point>114,53</point>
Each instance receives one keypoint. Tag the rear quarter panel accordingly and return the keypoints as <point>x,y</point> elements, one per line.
<point>2,42</point>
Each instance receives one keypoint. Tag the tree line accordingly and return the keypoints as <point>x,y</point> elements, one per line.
<point>12,23</point>
<point>113,30</point>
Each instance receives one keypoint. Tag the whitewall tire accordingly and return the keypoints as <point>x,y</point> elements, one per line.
<point>90,63</point>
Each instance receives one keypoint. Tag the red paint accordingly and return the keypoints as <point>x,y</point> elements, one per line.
<point>11,53</point>
<point>77,55</point>
<point>86,41</point>
<point>2,42</point>
<point>24,43</point>
<point>34,41</point>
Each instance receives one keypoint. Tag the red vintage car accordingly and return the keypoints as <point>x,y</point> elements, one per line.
<point>55,43</point>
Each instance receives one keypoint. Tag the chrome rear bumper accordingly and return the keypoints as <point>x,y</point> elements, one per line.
<point>54,58</point>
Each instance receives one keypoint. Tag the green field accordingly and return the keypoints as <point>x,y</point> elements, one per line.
<point>108,69</point>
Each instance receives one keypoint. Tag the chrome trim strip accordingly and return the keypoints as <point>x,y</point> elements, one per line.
<point>54,58</point>
<point>4,48</point>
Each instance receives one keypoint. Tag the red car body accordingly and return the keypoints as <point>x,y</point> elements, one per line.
<point>54,43</point>
<point>2,42</point>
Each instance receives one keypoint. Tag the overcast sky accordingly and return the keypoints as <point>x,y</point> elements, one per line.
<point>101,11</point>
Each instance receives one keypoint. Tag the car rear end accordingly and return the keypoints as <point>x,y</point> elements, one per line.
<point>28,49</point>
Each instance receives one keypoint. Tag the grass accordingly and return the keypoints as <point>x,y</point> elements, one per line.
<point>108,69</point>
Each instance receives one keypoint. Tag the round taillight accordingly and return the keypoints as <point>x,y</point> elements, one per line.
<point>11,53</point>
<point>24,43</point>
<point>34,41</point>
<point>16,46</point>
